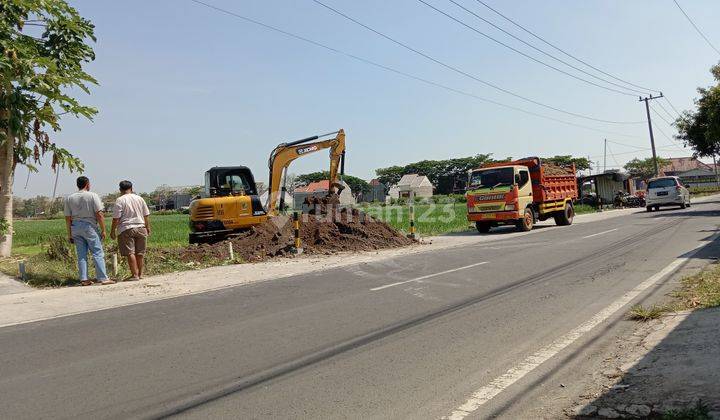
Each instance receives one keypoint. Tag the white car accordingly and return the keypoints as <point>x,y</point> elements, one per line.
<point>666,191</point>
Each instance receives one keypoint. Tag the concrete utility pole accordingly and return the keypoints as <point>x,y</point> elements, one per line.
<point>647,100</point>
<point>715,169</point>
<point>605,158</point>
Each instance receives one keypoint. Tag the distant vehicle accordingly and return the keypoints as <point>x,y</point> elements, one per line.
<point>520,193</point>
<point>666,191</point>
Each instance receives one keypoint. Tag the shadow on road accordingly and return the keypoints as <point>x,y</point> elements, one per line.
<point>702,358</point>
<point>681,369</point>
<point>500,230</point>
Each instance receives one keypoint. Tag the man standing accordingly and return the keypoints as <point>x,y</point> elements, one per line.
<point>131,227</point>
<point>86,229</point>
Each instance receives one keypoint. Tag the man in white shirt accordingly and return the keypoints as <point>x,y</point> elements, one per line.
<point>86,229</point>
<point>131,227</point>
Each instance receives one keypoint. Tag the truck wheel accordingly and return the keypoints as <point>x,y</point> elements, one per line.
<point>565,217</point>
<point>483,227</point>
<point>526,223</point>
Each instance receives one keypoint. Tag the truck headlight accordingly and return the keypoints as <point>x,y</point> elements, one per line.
<point>509,206</point>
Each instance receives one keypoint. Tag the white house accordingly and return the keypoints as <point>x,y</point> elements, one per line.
<point>419,184</point>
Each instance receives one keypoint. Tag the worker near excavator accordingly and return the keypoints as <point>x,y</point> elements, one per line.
<point>131,227</point>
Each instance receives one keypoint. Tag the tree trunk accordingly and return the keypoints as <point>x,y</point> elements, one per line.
<point>7,156</point>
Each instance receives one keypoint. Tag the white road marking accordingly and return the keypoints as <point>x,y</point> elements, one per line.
<point>427,277</point>
<point>499,384</point>
<point>600,233</point>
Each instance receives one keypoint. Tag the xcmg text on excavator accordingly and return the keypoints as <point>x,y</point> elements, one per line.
<point>230,203</point>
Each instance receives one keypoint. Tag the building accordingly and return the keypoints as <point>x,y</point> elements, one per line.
<point>288,199</point>
<point>604,186</point>
<point>676,166</point>
<point>377,193</point>
<point>320,189</point>
<point>691,171</point>
<point>420,185</point>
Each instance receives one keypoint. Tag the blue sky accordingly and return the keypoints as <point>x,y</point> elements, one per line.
<point>183,87</point>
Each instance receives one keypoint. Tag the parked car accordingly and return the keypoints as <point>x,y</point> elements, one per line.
<point>666,191</point>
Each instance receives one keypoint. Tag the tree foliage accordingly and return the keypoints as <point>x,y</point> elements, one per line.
<point>581,163</point>
<point>357,185</point>
<point>644,168</point>
<point>43,47</point>
<point>700,129</point>
<point>442,173</point>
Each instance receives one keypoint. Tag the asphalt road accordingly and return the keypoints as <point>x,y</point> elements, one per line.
<point>410,337</point>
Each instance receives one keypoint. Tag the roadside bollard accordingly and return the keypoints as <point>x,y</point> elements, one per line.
<point>231,251</point>
<point>21,270</point>
<point>297,249</point>
<point>413,234</point>
<point>600,204</point>
<point>115,264</point>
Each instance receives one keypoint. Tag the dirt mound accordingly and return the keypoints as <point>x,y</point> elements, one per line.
<point>324,229</point>
<point>551,169</point>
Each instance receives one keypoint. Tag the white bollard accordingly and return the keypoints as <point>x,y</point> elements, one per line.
<point>115,265</point>
<point>231,252</point>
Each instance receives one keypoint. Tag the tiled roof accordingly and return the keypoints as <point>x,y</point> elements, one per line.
<point>323,185</point>
<point>684,164</point>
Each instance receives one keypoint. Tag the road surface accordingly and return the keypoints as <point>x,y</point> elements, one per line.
<point>473,331</point>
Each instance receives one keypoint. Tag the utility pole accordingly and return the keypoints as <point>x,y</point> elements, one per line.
<point>605,158</point>
<point>647,100</point>
<point>715,168</point>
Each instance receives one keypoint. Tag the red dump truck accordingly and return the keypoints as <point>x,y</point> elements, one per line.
<point>520,193</point>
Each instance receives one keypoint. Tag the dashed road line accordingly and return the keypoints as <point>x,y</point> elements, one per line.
<point>427,276</point>
<point>599,233</point>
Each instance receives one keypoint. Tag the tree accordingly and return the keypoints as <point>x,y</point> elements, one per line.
<point>581,163</point>
<point>700,129</point>
<point>644,168</point>
<point>357,185</point>
<point>43,47</point>
<point>391,175</point>
<point>440,172</point>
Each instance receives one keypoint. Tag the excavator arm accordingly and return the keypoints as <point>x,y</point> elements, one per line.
<point>285,153</point>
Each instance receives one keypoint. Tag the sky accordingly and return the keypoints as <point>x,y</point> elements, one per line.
<point>183,87</point>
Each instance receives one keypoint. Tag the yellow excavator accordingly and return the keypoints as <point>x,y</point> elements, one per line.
<point>230,203</point>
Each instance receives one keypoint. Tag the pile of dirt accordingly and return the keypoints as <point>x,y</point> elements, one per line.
<point>324,229</point>
<point>556,170</point>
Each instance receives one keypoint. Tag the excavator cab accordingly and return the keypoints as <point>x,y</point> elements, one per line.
<point>229,180</point>
<point>229,203</point>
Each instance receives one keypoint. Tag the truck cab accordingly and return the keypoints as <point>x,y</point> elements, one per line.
<point>498,195</point>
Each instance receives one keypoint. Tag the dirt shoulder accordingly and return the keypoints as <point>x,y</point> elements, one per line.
<point>668,365</point>
<point>43,304</point>
<point>668,368</point>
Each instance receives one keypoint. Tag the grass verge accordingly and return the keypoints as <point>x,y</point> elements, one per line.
<point>699,411</point>
<point>698,291</point>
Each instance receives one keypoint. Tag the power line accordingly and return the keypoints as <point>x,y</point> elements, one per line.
<point>400,72</point>
<point>640,148</point>
<point>652,108</point>
<point>529,45</point>
<point>696,27</point>
<point>613,156</point>
<point>662,149</point>
<point>673,106</point>
<point>666,111</point>
<point>464,73</point>
<point>561,50</point>
<point>518,51</point>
